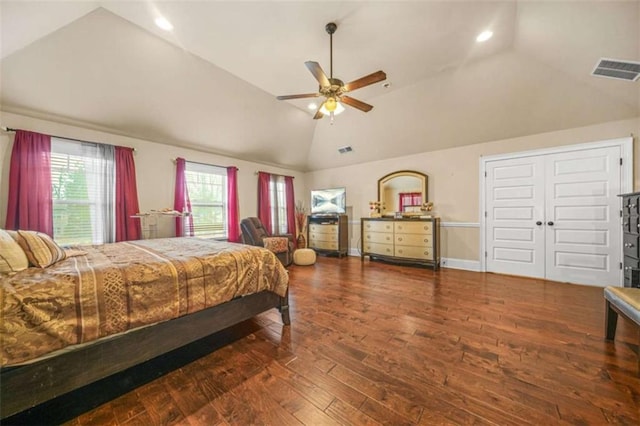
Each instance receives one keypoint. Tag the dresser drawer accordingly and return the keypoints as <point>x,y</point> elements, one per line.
<point>323,229</point>
<point>317,236</point>
<point>378,237</point>
<point>630,245</point>
<point>377,226</point>
<point>378,248</point>
<point>630,205</point>
<point>425,240</point>
<point>413,228</point>
<point>324,245</point>
<point>414,252</point>
<point>629,263</point>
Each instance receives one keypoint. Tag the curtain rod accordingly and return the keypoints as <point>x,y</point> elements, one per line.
<point>204,164</point>
<point>9,129</point>
<point>274,174</point>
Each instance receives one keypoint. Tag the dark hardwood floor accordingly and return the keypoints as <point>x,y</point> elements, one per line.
<point>373,343</point>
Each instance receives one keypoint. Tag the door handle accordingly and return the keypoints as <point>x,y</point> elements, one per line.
<point>550,223</point>
<point>538,223</point>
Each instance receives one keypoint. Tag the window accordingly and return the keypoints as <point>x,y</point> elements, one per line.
<point>277,192</point>
<point>83,189</point>
<point>207,186</point>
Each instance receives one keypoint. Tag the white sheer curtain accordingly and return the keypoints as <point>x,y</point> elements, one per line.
<point>278,204</point>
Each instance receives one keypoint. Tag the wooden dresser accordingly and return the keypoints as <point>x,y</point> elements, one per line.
<point>329,234</point>
<point>415,241</point>
<point>631,238</point>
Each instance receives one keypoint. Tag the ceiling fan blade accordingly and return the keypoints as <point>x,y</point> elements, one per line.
<point>305,95</point>
<point>317,72</point>
<point>356,103</point>
<point>365,81</point>
<point>318,113</point>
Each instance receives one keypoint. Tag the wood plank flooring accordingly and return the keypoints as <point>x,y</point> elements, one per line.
<point>373,343</point>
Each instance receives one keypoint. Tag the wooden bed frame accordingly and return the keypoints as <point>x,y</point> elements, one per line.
<point>26,386</point>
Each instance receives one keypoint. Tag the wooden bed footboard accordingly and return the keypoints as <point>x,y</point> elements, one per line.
<point>26,386</point>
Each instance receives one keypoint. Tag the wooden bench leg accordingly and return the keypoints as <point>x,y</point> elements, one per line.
<point>610,321</point>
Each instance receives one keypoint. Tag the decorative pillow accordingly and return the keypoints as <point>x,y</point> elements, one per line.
<point>73,252</point>
<point>276,244</point>
<point>40,248</point>
<point>12,257</point>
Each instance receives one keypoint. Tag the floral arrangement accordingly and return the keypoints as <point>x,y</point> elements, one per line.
<point>427,207</point>
<point>301,217</point>
<point>374,208</point>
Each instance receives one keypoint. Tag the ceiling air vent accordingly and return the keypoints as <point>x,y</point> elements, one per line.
<point>345,149</point>
<point>614,68</point>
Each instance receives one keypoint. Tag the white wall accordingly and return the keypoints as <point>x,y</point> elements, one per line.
<point>155,169</point>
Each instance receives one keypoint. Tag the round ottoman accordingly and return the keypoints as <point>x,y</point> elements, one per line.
<point>304,257</point>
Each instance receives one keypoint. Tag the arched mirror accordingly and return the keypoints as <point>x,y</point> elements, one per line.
<point>402,192</point>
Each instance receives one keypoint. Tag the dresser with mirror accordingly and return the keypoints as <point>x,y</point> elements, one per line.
<point>402,228</point>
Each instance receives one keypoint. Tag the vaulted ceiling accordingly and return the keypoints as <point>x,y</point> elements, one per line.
<point>210,84</point>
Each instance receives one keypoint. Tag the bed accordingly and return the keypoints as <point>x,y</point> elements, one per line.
<point>103,309</point>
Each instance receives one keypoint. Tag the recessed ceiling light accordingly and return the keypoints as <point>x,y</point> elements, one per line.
<point>163,23</point>
<point>484,36</point>
<point>312,106</point>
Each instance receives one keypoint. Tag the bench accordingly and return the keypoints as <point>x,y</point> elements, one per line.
<point>623,301</point>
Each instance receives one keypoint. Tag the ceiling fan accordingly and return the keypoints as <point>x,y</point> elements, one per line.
<point>334,89</point>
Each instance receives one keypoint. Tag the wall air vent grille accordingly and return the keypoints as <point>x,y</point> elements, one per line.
<point>345,149</point>
<point>620,70</point>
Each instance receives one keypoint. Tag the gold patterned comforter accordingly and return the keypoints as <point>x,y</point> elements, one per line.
<point>118,287</point>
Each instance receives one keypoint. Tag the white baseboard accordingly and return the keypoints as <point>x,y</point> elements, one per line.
<point>467,265</point>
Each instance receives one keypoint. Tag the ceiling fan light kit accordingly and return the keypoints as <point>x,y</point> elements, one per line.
<point>334,89</point>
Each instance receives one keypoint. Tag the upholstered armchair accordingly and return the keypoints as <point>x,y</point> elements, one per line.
<point>255,234</point>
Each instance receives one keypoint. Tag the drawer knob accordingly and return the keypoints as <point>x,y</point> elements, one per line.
<point>626,224</point>
<point>632,205</point>
<point>399,238</point>
<point>628,245</point>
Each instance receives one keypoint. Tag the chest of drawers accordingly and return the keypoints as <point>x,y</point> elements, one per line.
<point>328,234</point>
<point>401,240</point>
<point>631,238</point>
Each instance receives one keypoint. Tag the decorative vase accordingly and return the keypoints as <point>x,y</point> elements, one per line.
<point>302,243</point>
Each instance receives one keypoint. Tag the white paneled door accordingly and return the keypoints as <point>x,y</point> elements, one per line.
<point>556,216</point>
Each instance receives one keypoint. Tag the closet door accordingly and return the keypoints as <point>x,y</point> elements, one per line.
<point>583,216</point>
<point>556,216</point>
<point>515,216</point>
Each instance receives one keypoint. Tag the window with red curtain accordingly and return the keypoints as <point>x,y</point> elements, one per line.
<point>409,199</point>
<point>276,203</point>
<point>209,193</point>
<point>30,204</point>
